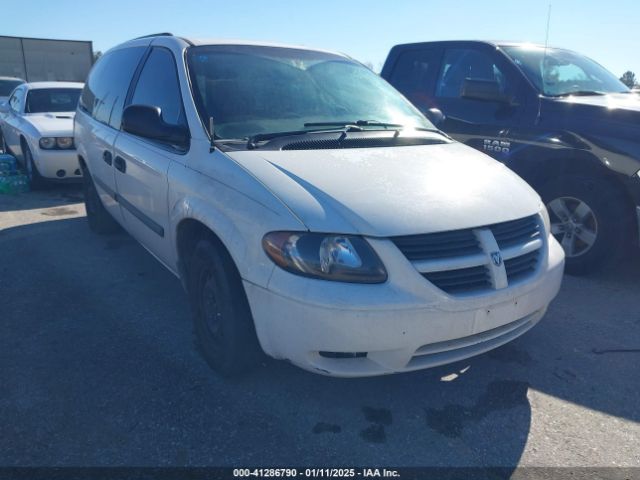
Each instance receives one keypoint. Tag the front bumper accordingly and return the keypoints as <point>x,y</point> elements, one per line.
<point>404,324</point>
<point>58,164</point>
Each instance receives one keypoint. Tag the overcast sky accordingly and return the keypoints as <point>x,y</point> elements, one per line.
<point>605,31</point>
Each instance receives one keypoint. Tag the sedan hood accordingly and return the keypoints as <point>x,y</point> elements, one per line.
<point>52,124</point>
<point>392,191</point>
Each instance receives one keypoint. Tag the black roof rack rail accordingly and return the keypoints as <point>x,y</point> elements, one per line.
<point>162,34</point>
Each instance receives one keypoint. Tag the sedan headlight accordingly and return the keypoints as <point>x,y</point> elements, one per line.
<point>47,143</point>
<point>339,258</point>
<point>64,142</point>
<point>60,143</point>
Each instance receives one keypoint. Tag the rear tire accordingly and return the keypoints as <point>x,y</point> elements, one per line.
<point>100,220</point>
<point>224,327</point>
<point>589,218</point>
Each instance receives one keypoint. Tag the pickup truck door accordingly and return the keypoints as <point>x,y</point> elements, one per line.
<point>480,123</point>
<point>142,164</point>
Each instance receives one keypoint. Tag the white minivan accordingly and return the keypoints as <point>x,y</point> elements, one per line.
<point>310,211</point>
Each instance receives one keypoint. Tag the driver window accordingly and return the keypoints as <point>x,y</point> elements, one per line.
<point>14,101</point>
<point>460,64</point>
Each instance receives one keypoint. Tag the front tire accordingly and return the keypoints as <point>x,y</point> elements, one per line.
<point>223,323</point>
<point>100,221</point>
<point>588,218</point>
<point>36,181</point>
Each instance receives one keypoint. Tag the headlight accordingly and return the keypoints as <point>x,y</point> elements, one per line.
<point>64,142</point>
<point>47,143</point>
<point>60,143</point>
<point>339,258</point>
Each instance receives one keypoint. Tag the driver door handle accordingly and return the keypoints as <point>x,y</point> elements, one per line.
<point>120,164</point>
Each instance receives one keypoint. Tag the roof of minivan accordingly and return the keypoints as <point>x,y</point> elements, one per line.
<point>39,85</point>
<point>226,41</point>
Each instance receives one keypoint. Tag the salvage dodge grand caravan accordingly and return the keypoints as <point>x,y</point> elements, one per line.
<point>310,211</point>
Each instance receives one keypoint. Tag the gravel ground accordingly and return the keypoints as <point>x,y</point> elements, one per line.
<point>98,367</point>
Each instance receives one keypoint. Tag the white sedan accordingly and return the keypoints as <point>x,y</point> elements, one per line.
<point>37,127</point>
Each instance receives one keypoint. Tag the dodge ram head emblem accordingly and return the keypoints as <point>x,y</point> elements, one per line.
<point>496,257</point>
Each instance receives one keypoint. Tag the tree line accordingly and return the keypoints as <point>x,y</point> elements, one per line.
<point>629,79</point>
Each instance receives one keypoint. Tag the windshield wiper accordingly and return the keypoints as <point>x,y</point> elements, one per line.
<point>371,123</point>
<point>261,137</point>
<point>579,93</point>
<point>357,123</point>
<point>338,126</point>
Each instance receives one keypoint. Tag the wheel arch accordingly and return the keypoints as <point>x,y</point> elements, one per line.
<point>188,231</point>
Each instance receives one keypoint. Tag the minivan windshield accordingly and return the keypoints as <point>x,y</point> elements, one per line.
<point>557,72</point>
<point>44,100</point>
<point>252,90</point>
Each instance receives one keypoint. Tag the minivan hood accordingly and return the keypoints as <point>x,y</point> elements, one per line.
<point>52,124</point>
<point>392,191</point>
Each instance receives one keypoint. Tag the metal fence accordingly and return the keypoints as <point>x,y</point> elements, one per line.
<point>36,59</point>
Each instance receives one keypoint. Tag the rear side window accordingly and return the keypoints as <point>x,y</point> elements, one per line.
<point>158,86</point>
<point>460,64</point>
<point>414,73</point>
<point>106,89</point>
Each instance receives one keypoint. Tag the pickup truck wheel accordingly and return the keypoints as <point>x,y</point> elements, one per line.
<point>100,220</point>
<point>587,219</point>
<point>223,323</point>
<point>36,181</point>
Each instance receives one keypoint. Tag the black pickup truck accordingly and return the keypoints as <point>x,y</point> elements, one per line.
<point>558,119</point>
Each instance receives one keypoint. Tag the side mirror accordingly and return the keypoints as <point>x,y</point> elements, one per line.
<point>146,121</point>
<point>435,115</point>
<point>484,90</point>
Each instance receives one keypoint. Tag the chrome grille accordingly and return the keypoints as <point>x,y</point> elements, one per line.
<point>458,262</point>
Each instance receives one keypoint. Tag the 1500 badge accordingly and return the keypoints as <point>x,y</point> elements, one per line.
<point>497,146</point>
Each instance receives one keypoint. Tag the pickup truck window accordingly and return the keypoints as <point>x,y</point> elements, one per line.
<point>556,72</point>
<point>250,90</point>
<point>460,64</point>
<point>413,75</point>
